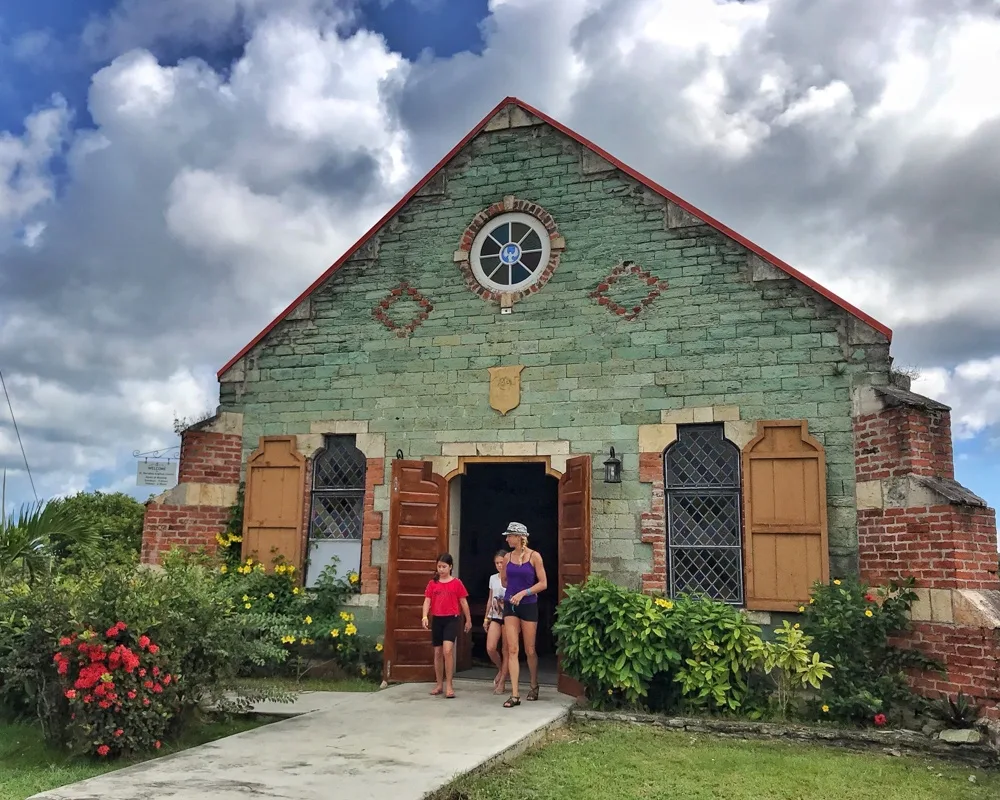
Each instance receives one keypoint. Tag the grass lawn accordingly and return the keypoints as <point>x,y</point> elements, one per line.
<point>315,684</point>
<point>28,766</point>
<point>591,761</point>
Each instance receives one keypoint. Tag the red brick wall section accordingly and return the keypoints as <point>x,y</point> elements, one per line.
<point>188,527</point>
<point>943,547</point>
<point>901,441</point>
<point>208,457</point>
<point>372,526</point>
<point>654,528</point>
<point>971,656</point>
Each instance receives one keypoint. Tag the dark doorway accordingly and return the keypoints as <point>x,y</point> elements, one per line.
<point>493,494</point>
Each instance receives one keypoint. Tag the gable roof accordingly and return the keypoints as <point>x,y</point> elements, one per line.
<point>647,182</point>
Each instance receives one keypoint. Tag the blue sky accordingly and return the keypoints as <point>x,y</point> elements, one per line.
<point>142,215</point>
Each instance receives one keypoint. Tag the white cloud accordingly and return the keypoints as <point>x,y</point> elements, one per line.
<point>973,391</point>
<point>26,179</point>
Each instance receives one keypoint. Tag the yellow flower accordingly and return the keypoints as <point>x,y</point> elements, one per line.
<point>247,606</point>
<point>868,612</point>
<point>279,570</point>
<point>801,609</point>
<point>259,568</point>
<point>610,692</point>
<point>378,647</point>
<point>245,598</point>
<point>291,569</point>
<point>662,603</point>
<point>307,641</point>
<point>249,561</point>
<point>350,630</point>
<point>811,601</point>
<point>221,542</point>
<point>296,590</point>
<point>364,671</point>
<point>335,633</point>
<point>308,620</point>
<point>353,577</point>
<point>270,595</point>
<point>796,626</point>
<point>826,709</point>
<point>288,640</point>
<point>836,583</point>
<point>223,569</point>
<point>345,616</point>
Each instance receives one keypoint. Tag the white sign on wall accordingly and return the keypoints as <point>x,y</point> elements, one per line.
<point>156,473</point>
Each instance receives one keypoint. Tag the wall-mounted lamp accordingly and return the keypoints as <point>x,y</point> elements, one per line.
<point>613,469</point>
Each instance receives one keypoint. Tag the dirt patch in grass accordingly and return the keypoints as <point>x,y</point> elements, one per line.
<point>587,761</point>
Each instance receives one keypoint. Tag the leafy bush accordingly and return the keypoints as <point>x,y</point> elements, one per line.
<point>628,647</point>
<point>115,519</point>
<point>717,645</point>
<point>184,608</point>
<point>613,641</point>
<point>121,697</point>
<point>853,626</point>
<point>790,664</point>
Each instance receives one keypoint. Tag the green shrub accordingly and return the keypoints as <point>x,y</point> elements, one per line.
<point>853,626</point>
<point>717,645</point>
<point>628,647</point>
<point>121,694</point>
<point>613,641</point>
<point>788,661</point>
<point>184,608</point>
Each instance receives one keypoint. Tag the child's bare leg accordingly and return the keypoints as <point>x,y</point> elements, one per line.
<point>438,670</point>
<point>449,667</point>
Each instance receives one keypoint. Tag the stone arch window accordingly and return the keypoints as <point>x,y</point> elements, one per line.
<point>703,502</point>
<point>336,514</point>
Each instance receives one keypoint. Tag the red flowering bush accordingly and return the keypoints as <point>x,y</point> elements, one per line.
<point>121,696</point>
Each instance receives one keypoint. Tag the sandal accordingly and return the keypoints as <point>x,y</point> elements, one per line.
<point>512,701</point>
<point>450,696</point>
<point>436,691</point>
<point>532,693</point>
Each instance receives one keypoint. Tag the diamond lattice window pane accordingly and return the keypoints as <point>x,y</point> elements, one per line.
<point>715,572</point>
<point>336,517</point>
<point>702,457</point>
<point>339,466</point>
<point>704,520</point>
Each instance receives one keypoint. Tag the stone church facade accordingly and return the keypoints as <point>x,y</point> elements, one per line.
<point>533,303</point>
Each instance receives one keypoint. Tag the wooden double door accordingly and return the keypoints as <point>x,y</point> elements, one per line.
<point>418,533</point>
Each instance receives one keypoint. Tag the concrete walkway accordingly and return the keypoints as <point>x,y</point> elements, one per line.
<point>397,744</point>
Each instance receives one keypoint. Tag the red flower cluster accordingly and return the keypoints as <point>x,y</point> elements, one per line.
<point>880,720</point>
<point>104,682</point>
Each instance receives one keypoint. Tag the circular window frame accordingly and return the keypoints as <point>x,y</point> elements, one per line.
<point>545,249</point>
<point>467,255</point>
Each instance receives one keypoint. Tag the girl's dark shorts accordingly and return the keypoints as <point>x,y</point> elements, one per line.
<point>526,612</point>
<point>444,629</point>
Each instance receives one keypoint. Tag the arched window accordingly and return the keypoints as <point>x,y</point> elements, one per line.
<point>337,507</point>
<point>704,538</point>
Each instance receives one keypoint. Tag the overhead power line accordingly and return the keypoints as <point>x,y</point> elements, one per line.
<point>21,443</point>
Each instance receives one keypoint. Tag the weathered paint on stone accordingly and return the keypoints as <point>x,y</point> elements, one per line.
<point>723,333</point>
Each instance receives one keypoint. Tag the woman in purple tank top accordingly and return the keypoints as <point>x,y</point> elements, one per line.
<point>523,575</point>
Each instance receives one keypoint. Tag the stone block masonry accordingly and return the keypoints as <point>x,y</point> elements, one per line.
<point>191,514</point>
<point>723,332</point>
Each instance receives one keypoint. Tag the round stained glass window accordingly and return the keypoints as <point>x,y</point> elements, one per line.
<point>510,253</point>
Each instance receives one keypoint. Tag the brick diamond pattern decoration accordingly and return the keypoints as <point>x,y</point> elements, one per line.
<point>403,290</point>
<point>628,271</point>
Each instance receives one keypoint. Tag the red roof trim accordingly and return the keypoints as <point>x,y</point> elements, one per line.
<point>650,184</point>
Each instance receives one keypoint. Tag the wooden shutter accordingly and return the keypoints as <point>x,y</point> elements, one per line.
<point>574,539</point>
<point>784,488</point>
<point>273,505</point>
<point>418,533</point>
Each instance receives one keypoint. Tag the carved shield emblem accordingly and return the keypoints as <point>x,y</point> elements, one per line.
<point>505,388</point>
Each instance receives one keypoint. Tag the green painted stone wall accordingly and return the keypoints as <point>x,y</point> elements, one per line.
<point>716,336</point>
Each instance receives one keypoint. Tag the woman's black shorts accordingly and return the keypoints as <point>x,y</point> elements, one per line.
<point>444,629</point>
<point>526,612</point>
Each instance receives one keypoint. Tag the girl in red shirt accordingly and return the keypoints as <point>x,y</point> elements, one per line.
<point>444,597</point>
